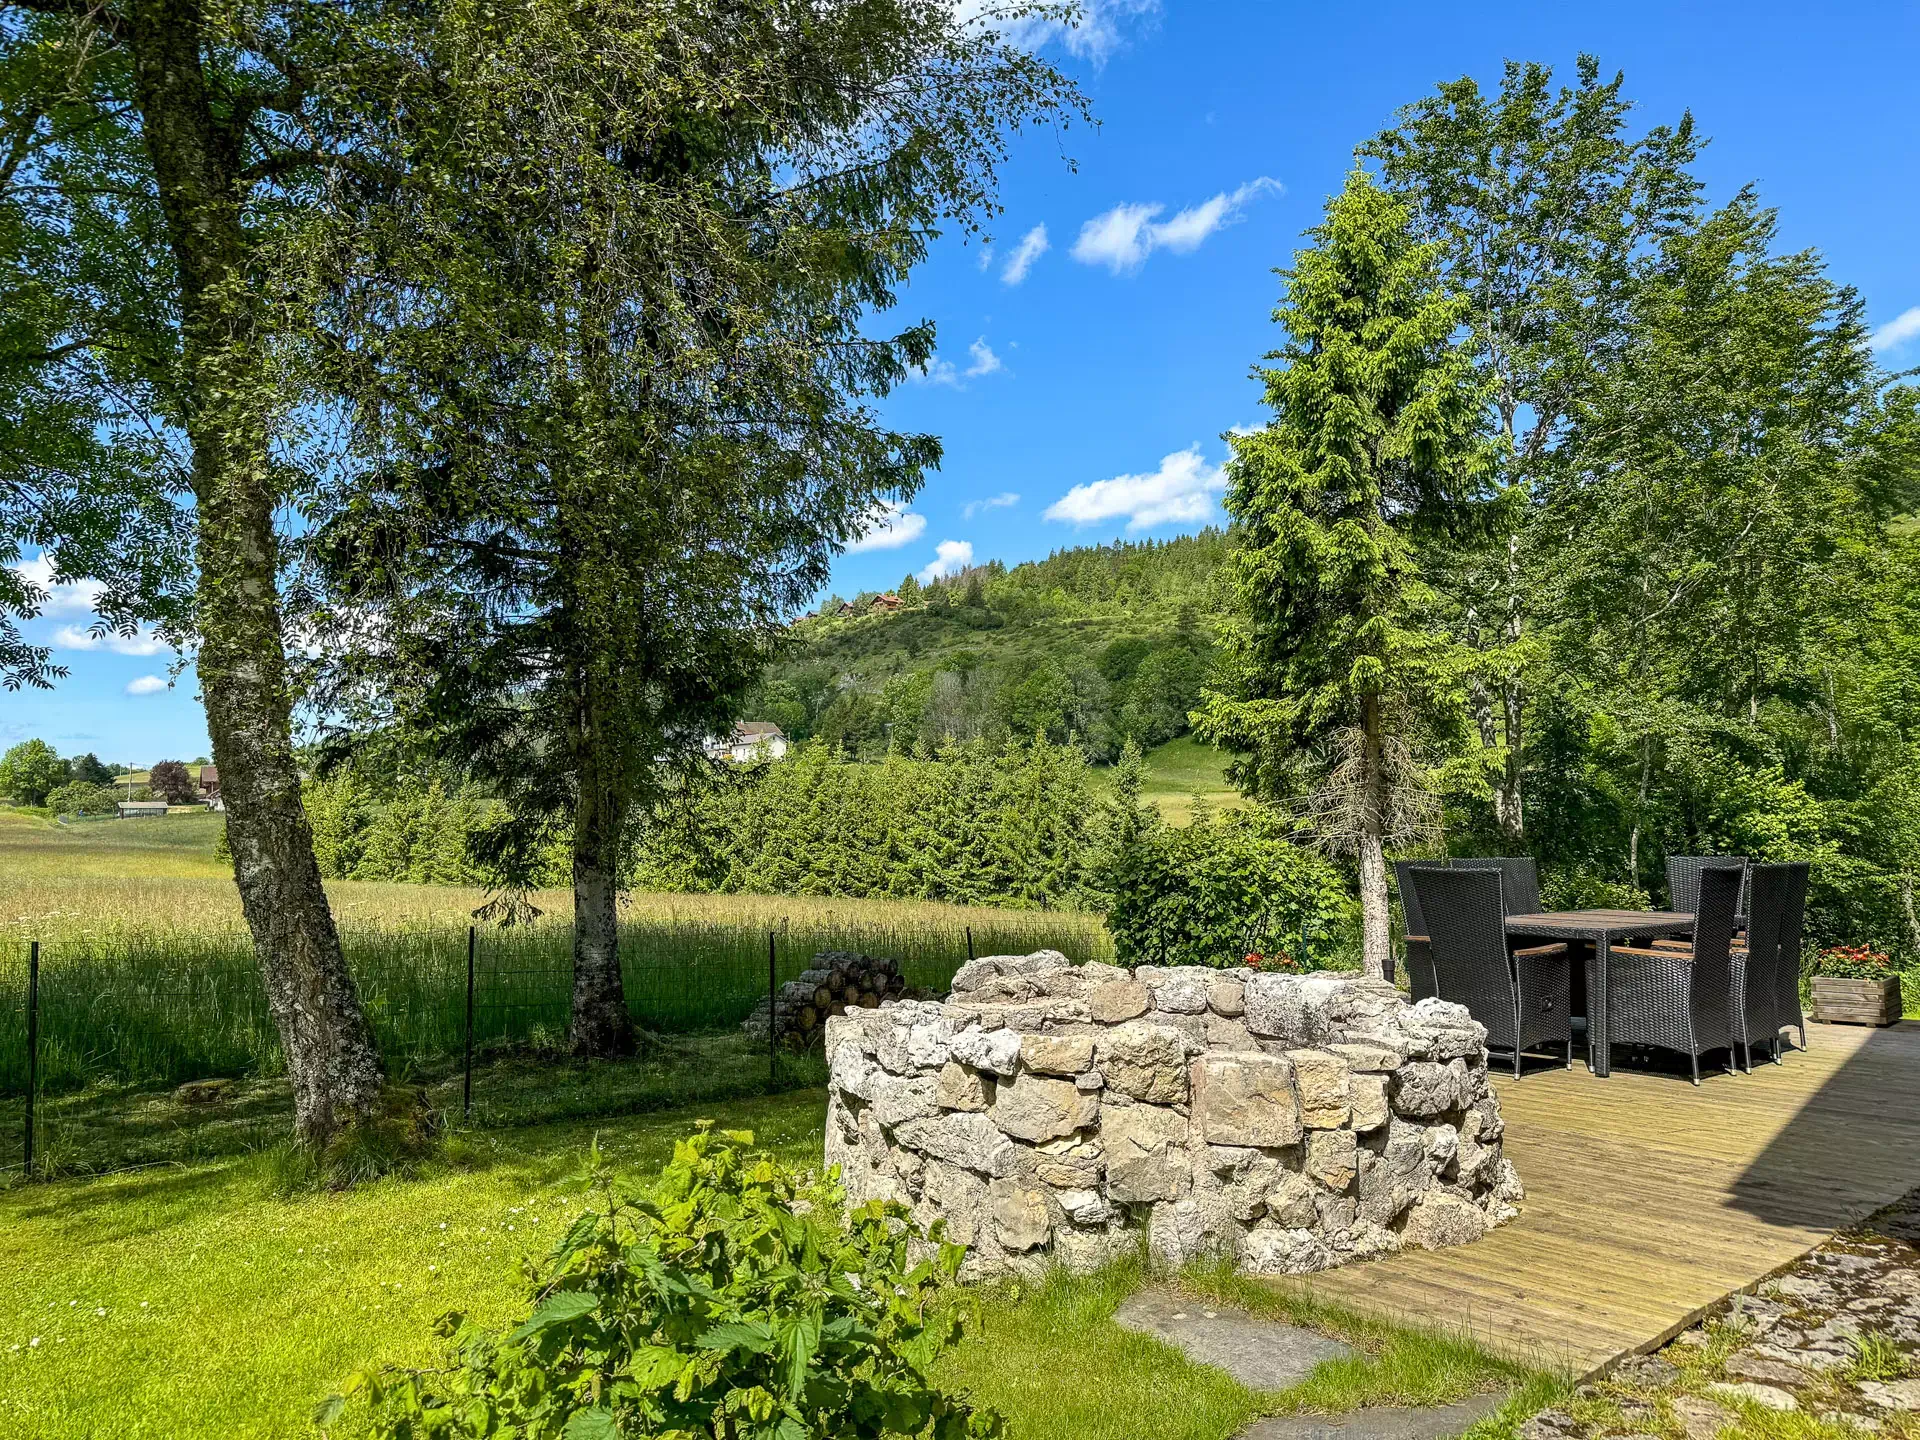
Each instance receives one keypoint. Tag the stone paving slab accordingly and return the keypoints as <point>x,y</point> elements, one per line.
<point>1379,1424</point>
<point>1260,1354</point>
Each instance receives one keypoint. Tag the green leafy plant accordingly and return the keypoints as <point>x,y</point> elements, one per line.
<point>1854,962</point>
<point>1226,892</point>
<point>740,1301</point>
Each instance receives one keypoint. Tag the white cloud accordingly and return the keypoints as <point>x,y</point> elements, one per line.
<point>1897,331</point>
<point>146,685</point>
<point>986,257</point>
<point>142,642</point>
<point>1032,246</point>
<point>1123,237</point>
<point>985,362</point>
<point>992,502</point>
<point>950,558</point>
<point>1181,490</point>
<point>76,598</point>
<point>888,526</point>
<point>937,372</point>
<point>1097,35</point>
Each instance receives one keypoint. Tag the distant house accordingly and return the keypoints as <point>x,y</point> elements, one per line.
<point>135,809</point>
<point>888,603</point>
<point>751,740</point>
<point>210,788</point>
<point>846,608</point>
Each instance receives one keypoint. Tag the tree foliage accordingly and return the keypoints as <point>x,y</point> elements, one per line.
<point>1334,671</point>
<point>29,771</point>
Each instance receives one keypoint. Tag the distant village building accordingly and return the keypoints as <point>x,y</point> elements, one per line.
<point>210,788</point>
<point>136,809</point>
<point>751,740</point>
<point>888,603</point>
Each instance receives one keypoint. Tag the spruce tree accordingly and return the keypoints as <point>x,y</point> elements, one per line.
<point>1332,667</point>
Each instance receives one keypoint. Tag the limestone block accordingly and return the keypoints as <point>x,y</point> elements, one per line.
<point>851,1070</point>
<point>956,1195</point>
<point>898,1099</point>
<point>1290,1202</point>
<point>1070,1163</point>
<point>1423,1088</point>
<point>1438,1219</point>
<point>1068,1055</point>
<point>973,1141</point>
<point>1372,1055</point>
<point>1033,1107</point>
<point>1084,1207</point>
<point>1370,1107</point>
<point>994,1050</point>
<point>1145,1061</point>
<point>1022,1219</point>
<point>1223,1033</point>
<point>1227,997</point>
<point>1189,1228</point>
<point>961,1087</point>
<point>1325,1103</point>
<point>1245,1098</point>
<point>1118,1000</point>
<point>1442,1144</point>
<point>1332,1158</point>
<point>1145,1160</point>
<point>1440,1030</point>
<point>1178,992</point>
<point>1272,1250</point>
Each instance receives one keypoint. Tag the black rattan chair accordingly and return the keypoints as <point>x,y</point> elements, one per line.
<point>1682,1000</point>
<point>1519,880</point>
<point>1523,999</point>
<point>1786,974</point>
<point>1419,955</point>
<point>1759,996</point>
<point>1683,879</point>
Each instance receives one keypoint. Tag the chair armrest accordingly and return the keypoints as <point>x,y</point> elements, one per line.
<point>1415,940</point>
<point>1558,948</point>
<point>1644,952</point>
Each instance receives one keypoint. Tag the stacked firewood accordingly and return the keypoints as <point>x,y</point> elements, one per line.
<point>836,982</point>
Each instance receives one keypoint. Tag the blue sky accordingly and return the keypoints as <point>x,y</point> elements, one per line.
<point>1083,385</point>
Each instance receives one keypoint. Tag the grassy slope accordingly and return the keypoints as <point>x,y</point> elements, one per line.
<point>193,1302</point>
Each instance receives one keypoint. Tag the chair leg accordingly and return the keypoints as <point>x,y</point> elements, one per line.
<point>1569,1052</point>
<point>1516,1062</point>
<point>1696,1067</point>
<point>1746,1050</point>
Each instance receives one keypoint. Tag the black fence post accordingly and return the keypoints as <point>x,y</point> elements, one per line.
<point>33,1043</point>
<point>466,1092</point>
<point>969,944</point>
<point>773,1027</point>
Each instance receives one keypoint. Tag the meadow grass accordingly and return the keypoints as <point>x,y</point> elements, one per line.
<point>201,1301</point>
<point>147,977</point>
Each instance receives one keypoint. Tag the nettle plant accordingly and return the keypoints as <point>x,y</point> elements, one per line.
<point>741,1301</point>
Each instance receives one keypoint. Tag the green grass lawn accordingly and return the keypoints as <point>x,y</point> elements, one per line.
<point>1181,772</point>
<point>196,1301</point>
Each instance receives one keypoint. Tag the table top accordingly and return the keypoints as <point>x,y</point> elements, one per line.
<point>1579,924</point>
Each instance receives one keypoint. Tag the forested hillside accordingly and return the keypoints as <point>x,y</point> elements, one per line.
<point>1094,644</point>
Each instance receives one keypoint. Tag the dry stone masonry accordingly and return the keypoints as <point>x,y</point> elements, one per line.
<point>1047,1110</point>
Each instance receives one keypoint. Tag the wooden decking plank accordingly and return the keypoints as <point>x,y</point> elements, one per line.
<point>1649,1200</point>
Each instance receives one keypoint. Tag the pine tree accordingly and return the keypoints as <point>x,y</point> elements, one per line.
<point>1333,668</point>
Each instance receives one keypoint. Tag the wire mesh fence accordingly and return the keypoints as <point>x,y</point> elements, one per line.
<point>96,1034</point>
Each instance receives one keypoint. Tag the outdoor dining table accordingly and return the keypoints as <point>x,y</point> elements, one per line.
<point>1600,930</point>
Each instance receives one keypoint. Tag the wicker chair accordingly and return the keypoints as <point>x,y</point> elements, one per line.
<point>1786,974</point>
<point>1419,955</point>
<point>1523,999</point>
<point>1682,1000</point>
<point>1683,879</point>
<point>1519,880</point>
<point>1777,894</point>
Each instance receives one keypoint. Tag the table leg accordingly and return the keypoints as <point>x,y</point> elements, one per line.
<point>1599,1057</point>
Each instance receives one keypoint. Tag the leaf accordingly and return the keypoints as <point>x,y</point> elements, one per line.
<point>595,1424</point>
<point>329,1410</point>
<point>799,1344</point>
<point>738,1335</point>
<point>557,1310</point>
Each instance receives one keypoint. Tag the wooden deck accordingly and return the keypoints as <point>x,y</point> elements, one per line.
<point>1649,1200</point>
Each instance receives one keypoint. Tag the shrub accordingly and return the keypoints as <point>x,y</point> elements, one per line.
<point>172,783</point>
<point>740,1299</point>
<point>80,798</point>
<point>1221,890</point>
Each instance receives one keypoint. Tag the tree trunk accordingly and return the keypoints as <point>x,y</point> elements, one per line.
<point>1913,915</point>
<point>1375,918</point>
<point>601,1024</point>
<point>331,1060</point>
<point>1507,806</point>
<point>1639,811</point>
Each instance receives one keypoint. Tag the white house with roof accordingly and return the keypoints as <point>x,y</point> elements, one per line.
<point>751,740</point>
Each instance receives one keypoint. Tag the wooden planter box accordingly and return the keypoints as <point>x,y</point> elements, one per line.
<point>1856,1002</point>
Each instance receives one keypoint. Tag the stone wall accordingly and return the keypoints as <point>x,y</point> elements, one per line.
<point>1294,1122</point>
